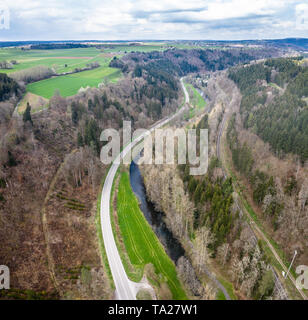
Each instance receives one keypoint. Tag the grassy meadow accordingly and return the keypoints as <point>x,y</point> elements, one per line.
<point>56,59</point>
<point>142,245</point>
<point>62,61</point>
<point>69,85</point>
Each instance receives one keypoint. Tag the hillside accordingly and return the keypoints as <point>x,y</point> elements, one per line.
<point>268,139</point>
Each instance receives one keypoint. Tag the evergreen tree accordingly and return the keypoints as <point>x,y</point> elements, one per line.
<point>90,104</point>
<point>27,114</point>
<point>80,140</point>
<point>11,160</point>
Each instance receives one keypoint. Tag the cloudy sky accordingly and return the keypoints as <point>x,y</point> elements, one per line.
<point>154,19</point>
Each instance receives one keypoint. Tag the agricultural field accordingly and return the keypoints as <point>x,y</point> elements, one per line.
<point>157,46</point>
<point>69,85</point>
<point>142,246</point>
<point>55,59</point>
<point>61,61</point>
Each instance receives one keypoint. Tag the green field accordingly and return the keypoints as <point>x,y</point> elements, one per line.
<point>73,58</point>
<point>56,59</point>
<point>62,61</point>
<point>141,243</point>
<point>69,85</point>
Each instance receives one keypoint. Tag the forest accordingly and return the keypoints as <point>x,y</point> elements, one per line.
<point>182,62</point>
<point>201,214</point>
<point>283,120</point>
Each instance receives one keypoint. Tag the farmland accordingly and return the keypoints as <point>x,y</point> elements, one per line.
<point>66,60</point>
<point>69,85</point>
<point>124,48</point>
<point>61,61</point>
<point>56,59</point>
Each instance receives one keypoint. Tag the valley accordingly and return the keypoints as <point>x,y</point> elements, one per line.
<point>78,222</point>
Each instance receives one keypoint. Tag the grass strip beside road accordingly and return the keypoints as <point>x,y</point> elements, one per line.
<point>141,243</point>
<point>196,100</point>
<point>134,272</point>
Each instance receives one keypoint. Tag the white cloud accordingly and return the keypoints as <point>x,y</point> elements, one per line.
<point>302,16</point>
<point>137,19</point>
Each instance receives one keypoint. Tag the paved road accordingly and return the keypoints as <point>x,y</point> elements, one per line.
<point>125,289</point>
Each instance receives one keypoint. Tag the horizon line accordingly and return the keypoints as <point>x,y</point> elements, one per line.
<point>153,40</point>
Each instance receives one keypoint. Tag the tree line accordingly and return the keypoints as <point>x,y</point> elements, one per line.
<point>51,46</point>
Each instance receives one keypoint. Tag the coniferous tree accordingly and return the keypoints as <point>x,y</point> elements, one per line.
<point>27,114</point>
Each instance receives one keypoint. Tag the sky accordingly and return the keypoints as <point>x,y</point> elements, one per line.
<point>152,20</point>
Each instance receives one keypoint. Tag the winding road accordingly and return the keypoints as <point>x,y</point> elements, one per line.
<point>125,288</point>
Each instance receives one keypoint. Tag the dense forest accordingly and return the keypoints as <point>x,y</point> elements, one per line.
<point>8,87</point>
<point>283,120</point>
<point>182,62</point>
<point>160,70</point>
<point>213,200</point>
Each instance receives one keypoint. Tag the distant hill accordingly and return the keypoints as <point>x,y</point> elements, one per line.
<point>294,43</point>
<point>300,44</point>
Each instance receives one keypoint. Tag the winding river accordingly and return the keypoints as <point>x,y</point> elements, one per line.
<point>156,219</point>
<point>172,246</point>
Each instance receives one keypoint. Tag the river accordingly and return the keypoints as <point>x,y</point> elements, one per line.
<point>156,219</point>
